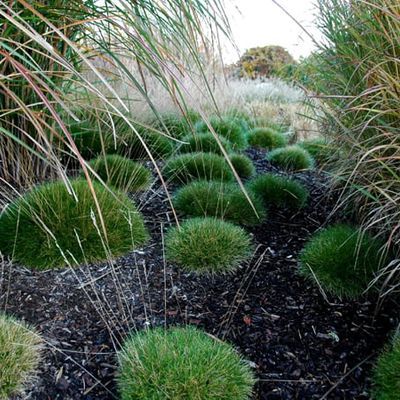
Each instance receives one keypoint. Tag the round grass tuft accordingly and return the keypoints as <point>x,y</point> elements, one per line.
<point>228,128</point>
<point>207,245</point>
<point>177,125</point>
<point>319,149</point>
<point>204,142</point>
<point>291,158</point>
<point>342,259</point>
<point>278,191</point>
<point>243,165</point>
<point>188,167</point>
<point>266,138</point>
<point>19,356</point>
<point>386,378</point>
<point>181,364</point>
<point>221,200</point>
<point>41,228</point>
<point>122,173</point>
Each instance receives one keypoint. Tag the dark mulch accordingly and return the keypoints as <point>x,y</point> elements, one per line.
<point>301,346</point>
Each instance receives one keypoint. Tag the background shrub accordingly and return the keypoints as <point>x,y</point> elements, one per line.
<point>386,376</point>
<point>279,191</point>
<point>229,128</point>
<point>36,227</point>
<point>243,165</point>
<point>207,245</point>
<point>188,167</point>
<point>342,259</point>
<point>19,356</point>
<point>181,363</point>
<point>221,200</point>
<point>266,138</point>
<point>291,158</point>
<point>204,142</point>
<point>122,173</point>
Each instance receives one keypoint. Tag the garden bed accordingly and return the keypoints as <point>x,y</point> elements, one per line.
<point>299,345</point>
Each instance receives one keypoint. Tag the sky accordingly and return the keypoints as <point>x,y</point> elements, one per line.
<point>261,22</point>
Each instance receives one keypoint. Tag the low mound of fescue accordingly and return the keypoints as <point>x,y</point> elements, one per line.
<point>204,142</point>
<point>222,200</point>
<point>121,173</point>
<point>49,227</point>
<point>386,378</point>
<point>207,245</point>
<point>177,125</point>
<point>279,191</point>
<point>291,158</point>
<point>228,128</point>
<point>19,356</point>
<point>266,138</point>
<point>320,149</point>
<point>181,363</point>
<point>342,260</point>
<point>243,165</point>
<point>193,166</point>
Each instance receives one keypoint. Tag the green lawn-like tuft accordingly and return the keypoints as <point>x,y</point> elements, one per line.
<point>291,158</point>
<point>342,259</point>
<point>204,142</point>
<point>207,245</point>
<point>266,138</point>
<point>242,165</point>
<point>181,364</point>
<point>320,149</point>
<point>49,228</point>
<point>222,200</point>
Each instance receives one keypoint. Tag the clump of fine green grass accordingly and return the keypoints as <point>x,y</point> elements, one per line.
<point>228,128</point>
<point>386,377</point>
<point>279,191</point>
<point>49,227</point>
<point>19,356</point>
<point>193,166</point>
<point>207,245</point>
<point>204,142</point>
<point>266,138</point>
<point>122,173</point>
<point>320,149</point>
<point>291,158</point>
<point>243,166</point>
<point>177,125</point>
<point>181,363</point>
<point>222,200</point>
<point>342,259</point>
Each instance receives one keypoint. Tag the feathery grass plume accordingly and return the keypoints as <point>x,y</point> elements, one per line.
<point>121,173</point>
<point>386,377</point>
<point>279,191</point>
<point>266,138</point>
<point>49,227</point>
<point>20,348</point>
<point>342,259</point>
<point>204,142</point>
<point>229,128</point>
<point>222,200</point>
<point>207,246</point>
<point>193,166</point>
<point>181,363</point>
<point>242,165</point>
<point>291,158</point>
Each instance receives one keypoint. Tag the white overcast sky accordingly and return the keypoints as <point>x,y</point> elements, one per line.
<point>261,22</point>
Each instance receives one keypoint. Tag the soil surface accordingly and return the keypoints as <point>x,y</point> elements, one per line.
<point>301,345</point>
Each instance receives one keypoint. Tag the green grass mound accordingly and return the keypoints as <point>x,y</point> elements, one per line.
<point>386,376</point>
<point>193,166</point>
<point>122,173</point>
<point>279,191</point>
<point>207,245</point>
<point>49,228</point>
<point>19,356</point>
<point>228,128</point>
<point>319,149</point>
<point>204,142</point>
<point>221,200</point>
<point>177,125</point>
<point>181,364</point>
<point>342,260</point>
<point>266,138</point>
<point>243,165</point>
<point>291,158</point>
